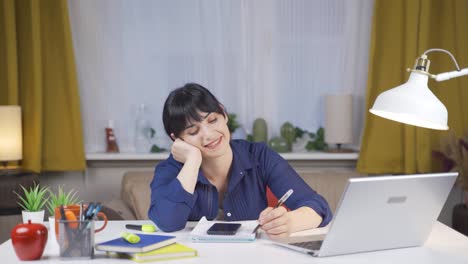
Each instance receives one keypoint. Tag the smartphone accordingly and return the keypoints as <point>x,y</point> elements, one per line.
<point>226,229</point>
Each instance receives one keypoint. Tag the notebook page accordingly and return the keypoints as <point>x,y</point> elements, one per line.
<point>244,234</point>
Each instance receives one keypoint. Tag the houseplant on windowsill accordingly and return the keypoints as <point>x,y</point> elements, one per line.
<point>32,201</point>
<point>235,128</point>
<point>454,157</point>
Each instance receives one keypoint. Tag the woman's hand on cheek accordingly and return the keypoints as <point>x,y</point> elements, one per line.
<point>183,151</point>
<point>275,222</point>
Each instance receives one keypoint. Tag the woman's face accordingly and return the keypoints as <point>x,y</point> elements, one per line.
<point>211,135</point>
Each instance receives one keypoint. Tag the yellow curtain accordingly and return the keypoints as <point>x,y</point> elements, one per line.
<point>37,72</point>
<point>402,30</point>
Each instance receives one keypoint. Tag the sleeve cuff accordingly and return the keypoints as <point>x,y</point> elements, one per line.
<point>324,212</point>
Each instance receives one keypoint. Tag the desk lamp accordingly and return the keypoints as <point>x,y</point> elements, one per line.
<point>412,102</point>
<point>11,147</point>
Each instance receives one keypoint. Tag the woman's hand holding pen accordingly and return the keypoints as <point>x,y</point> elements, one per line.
<point>276,222</point>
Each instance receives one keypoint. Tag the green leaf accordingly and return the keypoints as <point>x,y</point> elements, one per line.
<point>61,198</point>
<point>156,149</point>
<point>232,122</point>
<point>32,199</point>
<point>321,133</point>
<point>23,203</point>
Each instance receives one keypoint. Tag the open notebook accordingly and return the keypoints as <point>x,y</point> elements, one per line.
<point>244,234</point>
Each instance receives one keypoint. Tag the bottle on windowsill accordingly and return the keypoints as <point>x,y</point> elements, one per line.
<point>142,130</point>
<point>111,140</point>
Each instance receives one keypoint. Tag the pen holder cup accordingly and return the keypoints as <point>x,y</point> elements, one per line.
<point>76,239</point>
<point>75,208</point>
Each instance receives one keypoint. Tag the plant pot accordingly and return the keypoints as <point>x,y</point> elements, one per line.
<point>279,144</point>
<point>52,239</point>
<point>35,217</point>
<point>52,226</point>
<point>460,218</point>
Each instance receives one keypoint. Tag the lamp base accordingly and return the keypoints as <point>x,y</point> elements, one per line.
<point>339,149</point>
<point>10,170</point>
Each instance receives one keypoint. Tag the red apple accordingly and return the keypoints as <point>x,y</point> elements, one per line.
<point>29,240</point>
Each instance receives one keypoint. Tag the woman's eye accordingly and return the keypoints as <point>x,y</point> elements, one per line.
<point>193,133</point>
<point>213,120</point>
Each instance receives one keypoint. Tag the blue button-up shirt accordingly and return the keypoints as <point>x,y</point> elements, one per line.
<point>254,167</point>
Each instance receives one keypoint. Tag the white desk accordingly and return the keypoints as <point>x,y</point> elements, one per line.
<point>443,246</point>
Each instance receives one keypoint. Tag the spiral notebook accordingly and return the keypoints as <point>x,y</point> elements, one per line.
<point>244,234</point>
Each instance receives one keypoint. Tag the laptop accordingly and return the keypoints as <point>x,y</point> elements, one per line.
<point>378,213</point>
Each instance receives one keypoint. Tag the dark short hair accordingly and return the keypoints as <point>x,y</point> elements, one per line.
<point>183,105</point>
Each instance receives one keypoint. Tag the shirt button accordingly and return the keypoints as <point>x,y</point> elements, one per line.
<point>229,214</point>
<point>241,173</point>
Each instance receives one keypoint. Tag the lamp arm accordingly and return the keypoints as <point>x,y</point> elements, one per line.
<point>445,51</point>
<point>424,63</point>
<point>449,75</point>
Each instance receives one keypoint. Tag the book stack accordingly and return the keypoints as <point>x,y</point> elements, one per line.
<point>149,248</point>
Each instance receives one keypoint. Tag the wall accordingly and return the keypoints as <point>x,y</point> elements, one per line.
<point>263,58</point>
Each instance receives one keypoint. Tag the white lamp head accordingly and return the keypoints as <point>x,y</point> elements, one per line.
<point>412,103</point>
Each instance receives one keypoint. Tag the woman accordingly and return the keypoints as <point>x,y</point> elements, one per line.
<point>207,174</point>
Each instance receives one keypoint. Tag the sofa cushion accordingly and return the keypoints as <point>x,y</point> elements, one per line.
<point>136,192</point>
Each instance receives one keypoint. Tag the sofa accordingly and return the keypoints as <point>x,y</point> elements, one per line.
<point>134,199</point>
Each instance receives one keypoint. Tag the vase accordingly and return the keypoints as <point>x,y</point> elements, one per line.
<point>35,217</point>
<point>279,144</point>
<point>300,144</point>
<point>260,130</point>
<point>142,131</point>
<point>288,132</point>
<point>52,239</point>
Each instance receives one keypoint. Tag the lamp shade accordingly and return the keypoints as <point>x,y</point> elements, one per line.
<point>11,147</point>
<point>412,103</point>
<point>338,119</point>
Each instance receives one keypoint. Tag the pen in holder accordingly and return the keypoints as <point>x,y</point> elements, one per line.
<point>76,239</point>
<point>80,212</point>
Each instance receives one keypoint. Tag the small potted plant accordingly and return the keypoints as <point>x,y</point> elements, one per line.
<point>235,128</point>
<point>32,201</point>
<point>58,199</point>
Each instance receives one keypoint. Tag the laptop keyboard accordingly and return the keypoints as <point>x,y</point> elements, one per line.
<point>312,245</point>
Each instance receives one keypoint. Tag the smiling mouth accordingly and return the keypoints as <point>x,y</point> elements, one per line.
<point>214,144</point>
